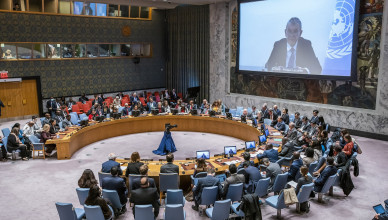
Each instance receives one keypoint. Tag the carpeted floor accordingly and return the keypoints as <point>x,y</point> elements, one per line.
<point>29,189</point>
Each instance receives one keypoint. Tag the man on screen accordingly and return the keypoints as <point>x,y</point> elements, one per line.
<point>294,53</point>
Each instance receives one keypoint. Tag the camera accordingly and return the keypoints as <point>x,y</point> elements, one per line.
<point>168,126</point>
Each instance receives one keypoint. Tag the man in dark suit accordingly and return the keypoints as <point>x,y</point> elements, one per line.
<point>315,117</point>
<point>294,51</point>
<point>125,110</point>
<point>280,126</point>
<point>272,171</point>
<point>151,105</point>
<point>297,120</point>
<point>144,172</point>
<point>276,110</point>
<point>305,126</point>
<point>295,166</point>
<point>51,106</point>
<point>107,166</point>
<point>207,181</point>
<point>58,117</point>
<point>329,170</point>
<point>292,133</point>
<point>269,153</point>
<point>272,116</point>
<point>46,119</point>
<point>169,167</point>
<point>145,195</point>
<point>252,176</point>
<point>67,122</point>
<point>264,111</point>
<point>83,98</point>
<point>233,179</point>
<point>117,183</point>
<point>341,159</point>
<point>313,131</point>
<point>247,157</point>
<point>134,99</point>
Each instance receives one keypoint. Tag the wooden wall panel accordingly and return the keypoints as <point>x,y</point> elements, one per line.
<point>30,97</point>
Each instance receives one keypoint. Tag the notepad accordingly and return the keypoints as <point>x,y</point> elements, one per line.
<point>276,133</point>
<point>277,139</point>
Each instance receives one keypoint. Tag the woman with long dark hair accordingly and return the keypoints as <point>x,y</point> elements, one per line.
<point>304,179</point>
<point>87,179</point>
<point>94,198</point>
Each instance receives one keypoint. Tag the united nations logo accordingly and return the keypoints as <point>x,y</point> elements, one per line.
<point>341,34</point>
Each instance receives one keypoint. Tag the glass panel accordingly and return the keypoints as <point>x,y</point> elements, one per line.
<point>124,11</point>
<point>101,9</point>
<point>146,50</point>
<point>80,50</point>
<point>115,50</point>
<point>104,50</point>
<point>78,8</point>
<point>89,9</point>
<point>49,6</point>
<point>92,50</point>
<point>135,11</point>
<point>8,51</point>
<point>36,5</point>
<point>125,50</point>
<point>24,51</point>
<point>53,51</point>
<point>67,50</point>
<point>38,51</point>
<point>4,5</point>
<point>145,12</point>
<point>135,49</point>
<point>64,7</point>
<point>18,5</point>
<point>113,10</point>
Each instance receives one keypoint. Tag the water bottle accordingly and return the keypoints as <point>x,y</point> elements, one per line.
<point>58,136</point>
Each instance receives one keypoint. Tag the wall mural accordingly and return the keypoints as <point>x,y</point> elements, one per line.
<point>360,94</point>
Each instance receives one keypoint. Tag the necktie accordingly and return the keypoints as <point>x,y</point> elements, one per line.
<point>291,61</point>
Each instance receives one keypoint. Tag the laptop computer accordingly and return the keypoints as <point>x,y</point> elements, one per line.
<point>379,209</point>
<point>262,139</point>
<point>205,154</point>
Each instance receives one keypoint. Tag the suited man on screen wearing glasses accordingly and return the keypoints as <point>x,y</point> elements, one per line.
<point>294,52</point>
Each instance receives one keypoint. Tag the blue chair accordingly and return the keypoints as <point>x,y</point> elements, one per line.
<point>280,182</point>
<point>235,192</point>
<point>312,167</point>
<point>14,154</point>
<point>320,163</point>
<point>287,128</point>
<point>337,181</point>
<point>37,146</point>
<point>175,196</point>
<point>354,155</point>
<point>144,212</point>
<point>220,211</point>
<point>113,197</point>
<point>174,212</point>
<point>261,188</point>
<point>120,109</point>
<point>221,177</point>
<point>239,111</point>
<point>41,121</point>
<point>94,212</point>
<point>74,118</point>
<point>326,187</point>
<point>167,181</point>
<point>267,121</point>
<point>209,195</point>
<point>6,132</point>
<point>60,125</point>
<point>82,194</point>
<point>194,180</point>
<point>131,177</point>
<point>66,211</point>
<point>233,112</point>
<point>101,176</point>
<point>292,117</point>
<point>297,175</point>
<point>304,194</point>
<point>250,110</point>
<point>277,202</point>
<point>107,115</point>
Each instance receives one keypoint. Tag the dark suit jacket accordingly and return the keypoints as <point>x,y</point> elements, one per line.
<point>341,159</point>
<point>292,135</point>
<point>286,118</point>
<point>305,56</point>
<point>294,169</point>
<point>106,166</point>
<point>280,126</point>
<point>136,183</point>
<point>133,168</point>
<point>132,99</point>
<point>125,111</point>
<point>314,119</point>
<point>325,174</point>
<point>116,183</point>
<point>272,171</point>
<point>169,168</point>
<point>233,179</point>
<point>298,122</point>
<point>252,174</point>
<point>277,111</point>
<point>149,107</point>
<point>52,105</point>
<point>206,182</point>
<point>145,196</point>
<point>272,155</point>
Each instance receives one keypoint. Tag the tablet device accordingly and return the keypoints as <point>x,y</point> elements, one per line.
<point>262,139</point>
<point>205,154</point>
<point>250,145</point>
<point>230,150</point>
<point>379,209</point>
<point>266,132</point>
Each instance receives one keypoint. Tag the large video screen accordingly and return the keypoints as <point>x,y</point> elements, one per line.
<point>298,37</point>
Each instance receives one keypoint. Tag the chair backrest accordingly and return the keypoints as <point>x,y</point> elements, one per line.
<point>5,140</point>
<point>329,183</point>
<point>221,177</point>
<point>113,197</point>
<point>250,110</point>
<point>304,192</point>
<point>235,192</point>
<point>34,139</point>
<point>168,181</point>
<point>209,195</point>
<point>262,187</point>
<point>221,210</point>
<point>297,175</point>
<point>101,176</point>
<point>267,121</point>
<point>292,117</point>
<point>74,119</point>
<point>174,196</point>
<point>337,181</point>
<point>93,212</point>
<point>143,212</point>
<point>354,155</point>
<point>6,132</point>
<point>241,171</point>
<point>41,121</point>
<point>120,109</point>
<point>60,125</point>
<point>83,116</point>
<point>280,204</point>
<point>65,211</point>
<point>239,110</point>
<point>82,194</point>
<point>233,112</point>
<point>131,177</point>
<point>174,212</point>
<point>320,163</point>
<point>287,128</point>
<point>312,167</point>
<point>280,182</point>
<point>201,175</point>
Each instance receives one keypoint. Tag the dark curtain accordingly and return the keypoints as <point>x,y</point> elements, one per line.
<point>188,49</point>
